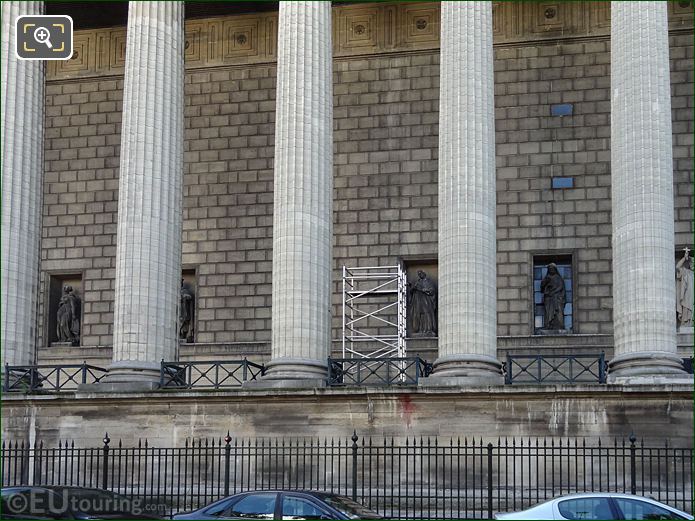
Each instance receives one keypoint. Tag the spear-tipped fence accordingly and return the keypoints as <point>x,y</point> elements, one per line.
<point>411,478</point>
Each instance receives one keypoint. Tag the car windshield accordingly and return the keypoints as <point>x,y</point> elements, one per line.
<point>350,508</point>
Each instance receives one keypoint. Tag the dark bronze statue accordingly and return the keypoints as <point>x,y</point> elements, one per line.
<point>186,309</point>
<point>553,288</point>
<point>68,317</point>
<point>422,307</point>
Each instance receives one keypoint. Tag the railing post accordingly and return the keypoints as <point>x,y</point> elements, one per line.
<point>105,467</point>
<point>84,371</point>
<point>489,480</point>
<point>245,370</point>
<point>6,383</point>
<point>633,472</point>
<point>38,454</point>
<point>602,368</point>
<point>33,374</point>
<point>24,464</point>
<point>508,372</point>
<point>227,459</point>
<point>161,374</point>
<point>354,465</point>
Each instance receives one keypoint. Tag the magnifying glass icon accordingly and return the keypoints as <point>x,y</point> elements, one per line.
<point>43,35</point>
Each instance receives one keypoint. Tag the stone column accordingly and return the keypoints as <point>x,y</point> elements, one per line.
<point>644,299</point>
<point>303,195</point>
<point>467,232</point>
<point>22,187</point>
<point>148,253</point>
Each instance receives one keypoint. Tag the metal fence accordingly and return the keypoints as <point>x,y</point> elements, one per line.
<point>50,378</point>
<point>212,374</point>
<point>568,369</point>
<point>423,478</point>
<point>377,371</point>
<point>360,371</point>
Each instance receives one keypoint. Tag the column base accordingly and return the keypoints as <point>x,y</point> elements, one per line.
<point>648,366</point>
<point>291,373</point>
<point>464,371</point>
<point>126,377</point>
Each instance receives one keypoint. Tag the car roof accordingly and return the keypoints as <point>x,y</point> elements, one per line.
<point>286,491</point>
<point>603,494</point>
<point>57,487</point>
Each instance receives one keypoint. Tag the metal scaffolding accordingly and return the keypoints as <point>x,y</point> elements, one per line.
<point>374,307</point>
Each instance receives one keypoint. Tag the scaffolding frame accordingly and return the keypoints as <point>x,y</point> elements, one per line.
<point>365,288</point>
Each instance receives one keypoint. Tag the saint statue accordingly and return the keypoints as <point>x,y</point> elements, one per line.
<point>422,307</point>
<point>684,290</point>
<point>68,317</point>
<point>553,288</point>
<point>186,313</point>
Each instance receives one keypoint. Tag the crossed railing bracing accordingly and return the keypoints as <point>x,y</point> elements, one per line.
<point>211,374</point>
<point>555,369</point>
<point>342,372</point>
<point>377,371</point>
<point>50,378</point>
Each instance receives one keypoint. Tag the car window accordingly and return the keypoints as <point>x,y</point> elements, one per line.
<point>298,508</point>
<point>219,508</point>
<point>598,508</point>
<point>96,502</point>
<point>253,506</point>
<point>350,508</point>
<point>636,509</point>
<point>28,503</point>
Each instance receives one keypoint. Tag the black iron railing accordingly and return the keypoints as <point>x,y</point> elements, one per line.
<point>50,378</point>
<point>208,374</point>
<point>541,369</point>
<point>377,371</point>
<point>411,478</point>
<point>216,374</point>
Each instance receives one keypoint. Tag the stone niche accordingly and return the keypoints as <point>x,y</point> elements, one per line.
<point>566,271</point>
<point>421,327</point>
<point>55,295</point>
<point>187,318</point>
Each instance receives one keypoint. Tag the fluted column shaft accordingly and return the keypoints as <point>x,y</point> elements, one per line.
<point>148,253</point>
<point>303,193</point>
<point>22,186</point>
<point>467,242</point>
<point>644,299</point>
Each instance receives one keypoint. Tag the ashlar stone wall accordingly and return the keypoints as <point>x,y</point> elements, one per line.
<point>385,195</point>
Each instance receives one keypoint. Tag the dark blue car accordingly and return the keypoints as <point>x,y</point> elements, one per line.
<point>282,504</point>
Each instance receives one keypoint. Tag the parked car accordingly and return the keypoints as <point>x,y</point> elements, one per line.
<point>598,506</point>
<point>55,502</point>
<point>282,504</point>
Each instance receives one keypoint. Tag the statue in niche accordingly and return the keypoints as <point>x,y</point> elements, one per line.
<point>422,307</point>
<point>553,288</point>
<point>186,306</point>
<point>68,317</point>
<point>684,290</point>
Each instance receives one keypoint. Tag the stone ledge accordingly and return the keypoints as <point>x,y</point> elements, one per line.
<point>501,391</point>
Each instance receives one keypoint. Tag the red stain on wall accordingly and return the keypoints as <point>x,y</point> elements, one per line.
<point>407,408</point>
